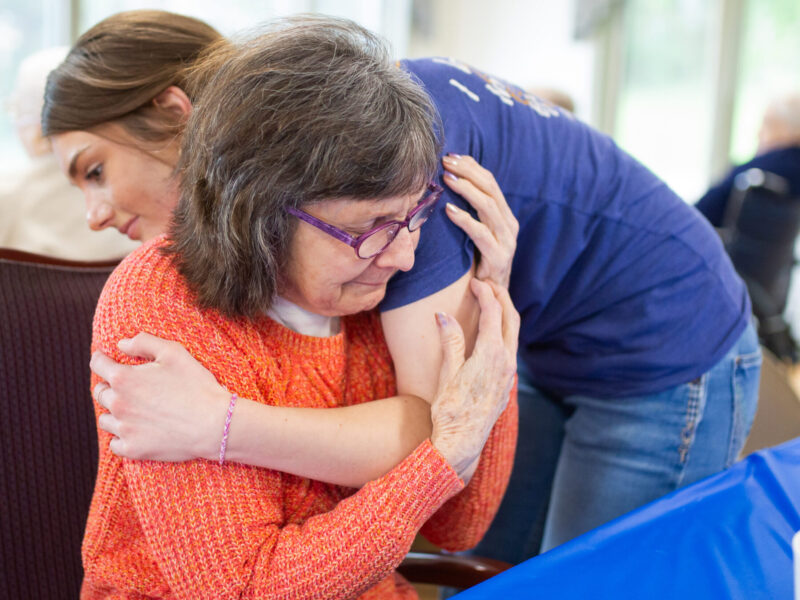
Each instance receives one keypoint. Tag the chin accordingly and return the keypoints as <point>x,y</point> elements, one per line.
<point>365,302</point>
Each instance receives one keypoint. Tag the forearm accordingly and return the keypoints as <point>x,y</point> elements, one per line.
<point>346,446</point>
<point>258,553</point>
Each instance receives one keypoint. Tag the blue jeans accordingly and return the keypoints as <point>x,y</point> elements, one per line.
<point>583,461</point>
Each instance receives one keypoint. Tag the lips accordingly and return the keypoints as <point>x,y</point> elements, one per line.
<point>381,283</point>
<point>126,229</point>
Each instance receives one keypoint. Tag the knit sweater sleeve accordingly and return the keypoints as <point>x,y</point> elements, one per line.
<point>463,521</point>
<point>210,541</point>
<point>229,532</point>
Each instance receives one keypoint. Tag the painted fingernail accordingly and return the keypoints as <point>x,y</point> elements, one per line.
<point>452,207</point>
<point>441,319</point>
<point>450,176</point>
<point>449,160</point>
<point>454,155</point>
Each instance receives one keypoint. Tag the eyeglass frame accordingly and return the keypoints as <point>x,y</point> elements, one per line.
<point>433,193</point>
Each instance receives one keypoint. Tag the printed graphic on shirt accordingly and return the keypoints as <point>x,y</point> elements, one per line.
<point>507,93</point>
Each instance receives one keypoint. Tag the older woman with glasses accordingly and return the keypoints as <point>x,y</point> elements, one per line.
<point>296,209</point>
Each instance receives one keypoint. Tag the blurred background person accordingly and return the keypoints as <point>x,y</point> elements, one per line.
<point>554,96</point>
<point>778,153</point>
<point>40,211</point>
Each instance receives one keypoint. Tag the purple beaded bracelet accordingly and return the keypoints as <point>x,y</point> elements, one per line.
<point>226,429</point>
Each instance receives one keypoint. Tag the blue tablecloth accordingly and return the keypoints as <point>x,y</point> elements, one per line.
<point>727,536</point>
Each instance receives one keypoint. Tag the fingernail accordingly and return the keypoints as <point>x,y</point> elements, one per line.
<point>454,155</point>
<point>449,160</point>
<point>452,207</point>
<point>441,319</point>
<point>450,176</point>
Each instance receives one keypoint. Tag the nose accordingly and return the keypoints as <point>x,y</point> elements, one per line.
<point>99,214</point>
<point>400,253</point>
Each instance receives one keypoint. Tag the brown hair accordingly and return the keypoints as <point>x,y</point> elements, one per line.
<point>310,110</point>
<point>119,66</point>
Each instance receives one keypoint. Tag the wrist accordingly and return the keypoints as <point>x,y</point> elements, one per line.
<point>226,429</point>
<point>452,449</point>
<point>209,434</point>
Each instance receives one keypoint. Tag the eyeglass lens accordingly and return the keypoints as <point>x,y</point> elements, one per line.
<point>375,243</point>
<point>422,214</point>
<point>378,241</point>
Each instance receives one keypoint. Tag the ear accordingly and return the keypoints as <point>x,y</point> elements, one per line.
<point>174,100</point>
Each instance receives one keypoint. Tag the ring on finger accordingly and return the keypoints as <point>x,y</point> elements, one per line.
<point>100,395</point>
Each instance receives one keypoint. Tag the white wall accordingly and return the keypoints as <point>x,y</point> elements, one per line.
<point>527,42</point>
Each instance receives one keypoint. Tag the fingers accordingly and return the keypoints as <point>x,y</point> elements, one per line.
<point>479,233</point>
<point>490,320</point>
<point>464,172</point>
<point>98,392</point>
<point>495,231</point>
<point>478,187</point>
<point>108,399</point>
<point>104,367</point>
<point>463,166</point>
<point>110,424</point>
<point>499,324</point>
<point>511,319</point>
<point>107,422</point>
<point>144,345</point>
<point>117,446</point>
<point>453,346</point>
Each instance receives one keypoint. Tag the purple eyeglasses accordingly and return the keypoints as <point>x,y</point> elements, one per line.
<point>376,240</point>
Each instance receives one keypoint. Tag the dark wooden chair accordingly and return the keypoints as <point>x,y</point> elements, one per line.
<point>449,570</point>
<point>48,454</point>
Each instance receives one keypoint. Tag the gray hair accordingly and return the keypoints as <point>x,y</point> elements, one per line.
<point>310,109</point>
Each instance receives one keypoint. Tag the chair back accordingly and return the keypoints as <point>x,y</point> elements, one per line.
<point>48,453</point>
<point>762,222</point>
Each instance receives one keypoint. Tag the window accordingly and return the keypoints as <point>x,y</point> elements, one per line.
<point>769,65</point>
<point>25,27</point>
<point>666,94</point>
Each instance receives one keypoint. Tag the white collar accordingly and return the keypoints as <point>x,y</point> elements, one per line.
<point>302,321</point>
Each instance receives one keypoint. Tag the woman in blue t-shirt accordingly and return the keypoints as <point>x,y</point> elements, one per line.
<point>638,367</point>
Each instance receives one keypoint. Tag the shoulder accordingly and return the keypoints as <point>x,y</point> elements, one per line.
<point>449,80</point>
<point>144,293</point>
<point>782,161</point>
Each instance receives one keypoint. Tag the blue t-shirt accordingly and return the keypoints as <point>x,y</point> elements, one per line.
<point>783,161</point>
<point>623,289</point>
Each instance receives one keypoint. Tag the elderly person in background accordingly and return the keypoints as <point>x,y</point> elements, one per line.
<point>307,166</point>
<point>554,96</point>
<point>39,211</point>
<point>778,152</point>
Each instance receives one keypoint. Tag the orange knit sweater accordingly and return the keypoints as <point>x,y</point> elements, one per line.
<point>197,530</point>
